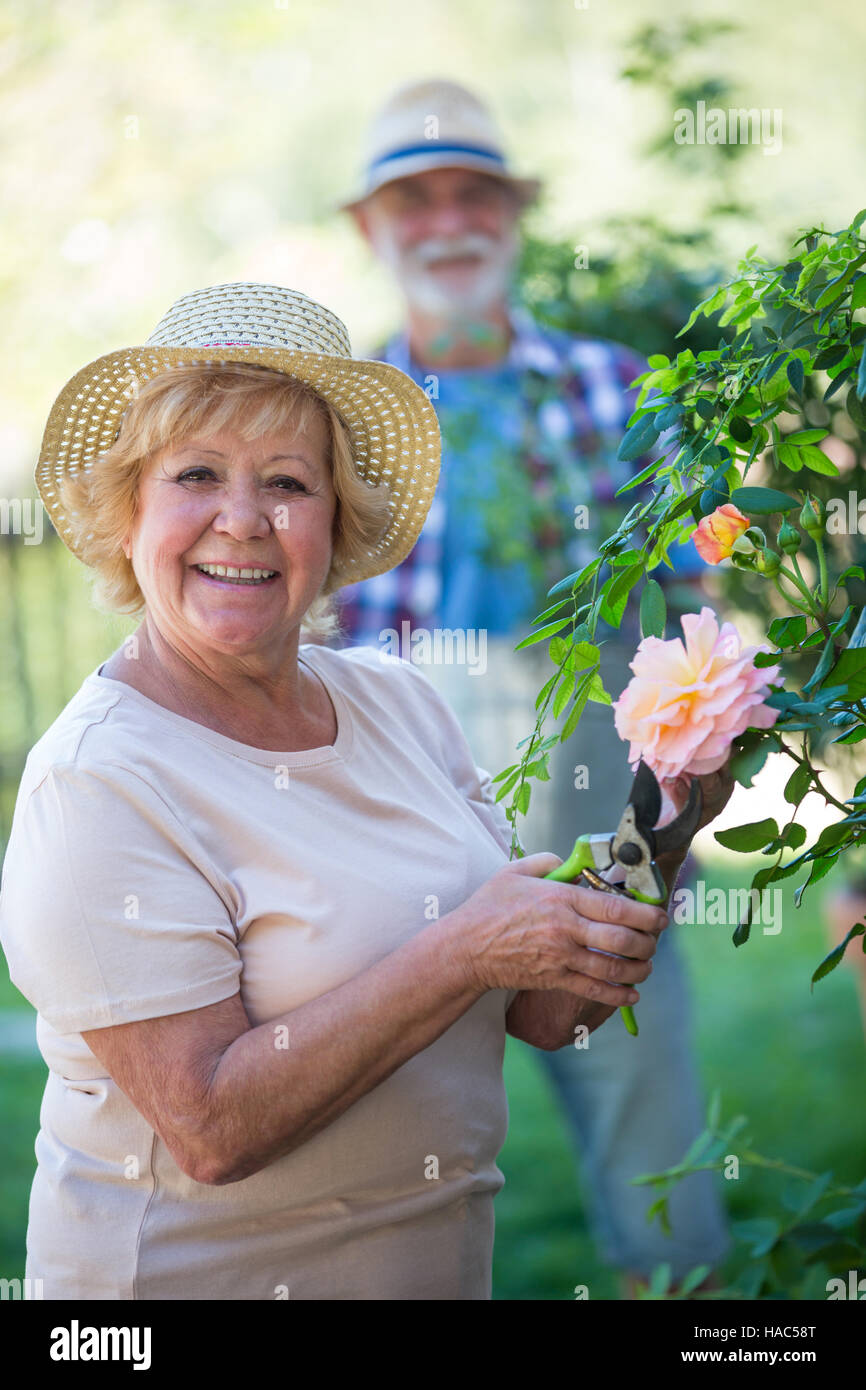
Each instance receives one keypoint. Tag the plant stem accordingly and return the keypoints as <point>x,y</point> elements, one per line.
<point>801,585</point>
<point>822,565</point>
<point>818,785</point>
<point>792,601</point>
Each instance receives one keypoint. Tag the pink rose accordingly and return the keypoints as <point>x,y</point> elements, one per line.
<point>686,704</point>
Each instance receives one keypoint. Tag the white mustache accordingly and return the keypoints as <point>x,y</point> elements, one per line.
<point>434,249</point>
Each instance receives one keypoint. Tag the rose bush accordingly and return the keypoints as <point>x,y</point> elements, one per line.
<point>716,420</point>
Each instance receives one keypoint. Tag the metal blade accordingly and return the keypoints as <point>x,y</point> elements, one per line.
<point>681,830</point>
<point>646,798</point>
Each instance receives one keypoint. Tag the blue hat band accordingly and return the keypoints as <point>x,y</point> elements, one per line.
<point>431,146</point>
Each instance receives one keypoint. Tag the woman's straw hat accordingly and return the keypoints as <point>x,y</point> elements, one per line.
<point>394,426</point>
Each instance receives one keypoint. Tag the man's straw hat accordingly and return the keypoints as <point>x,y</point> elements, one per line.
<point>435,125</point>
<point>394,426</point>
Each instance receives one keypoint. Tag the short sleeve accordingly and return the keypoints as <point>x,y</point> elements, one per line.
<point>474,783</point>
<point>110,911</point>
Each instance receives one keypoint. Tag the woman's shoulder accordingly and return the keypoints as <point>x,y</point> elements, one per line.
<point>95,728</point>
<point>371,670</point>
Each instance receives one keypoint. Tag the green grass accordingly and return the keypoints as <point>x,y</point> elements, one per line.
<point>789,1059</point>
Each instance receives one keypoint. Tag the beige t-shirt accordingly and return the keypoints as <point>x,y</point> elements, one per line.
<point>156,866</point>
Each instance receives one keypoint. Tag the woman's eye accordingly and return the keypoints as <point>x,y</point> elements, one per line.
<point>189,473</point>
<point>293,482</point>
<point>193,474</point>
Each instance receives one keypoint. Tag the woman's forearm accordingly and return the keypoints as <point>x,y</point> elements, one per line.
<point>280,1083</point>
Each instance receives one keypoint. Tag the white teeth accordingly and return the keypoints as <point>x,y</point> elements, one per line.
<point>248,576</point>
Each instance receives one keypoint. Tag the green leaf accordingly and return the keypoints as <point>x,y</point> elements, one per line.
<point>595,691</point>
<point>521,801</point>
<point>834,354</point>
<point>798,784</point>
<point>545,691</point>
<point>636,440</point>
<point>582,654</point>
<point>694,1277</point>
<point>746,763</point>
<point>577,708</point>
<point>822,670</point>
<point>563,695</point>
<point>832,960</point>
<point>833,835</point>
<point>839,627</point>
<point>856,408</point>
<point>578,579</point>
<point>858,294</point>
<point>787,632</point>
<point>761,1232</point>
<point>806,437</point>
<point>747,838</point>
<point>861,377</point>
<point>790,457</point>
<point>653,610</point>
<point>820,868</point>
<point>762,500</point>
<point>615,596</point>
<point>796,375</point>
<point>657,360</point>
<point>817,460</point>
<point>660,1279</point>
<point>507,785</point>
<point>850,670</point>
<point>740,429</point>
<point>707,306</point>
<point>542,633</point>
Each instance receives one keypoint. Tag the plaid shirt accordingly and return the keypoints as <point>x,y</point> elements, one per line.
<point>578,396</point>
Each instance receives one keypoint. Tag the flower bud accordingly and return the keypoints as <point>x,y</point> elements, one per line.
<point>813,517</point>
<point>744,553</point>
<point>768,562</point>
<point>716,533</point>
<point>790,539</point>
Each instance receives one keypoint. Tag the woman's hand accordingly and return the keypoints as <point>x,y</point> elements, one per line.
<point>520,931</point>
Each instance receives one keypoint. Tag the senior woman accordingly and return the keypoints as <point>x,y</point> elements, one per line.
<point>256,889</point>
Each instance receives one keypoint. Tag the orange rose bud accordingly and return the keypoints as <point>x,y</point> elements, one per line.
<point>715,535</point>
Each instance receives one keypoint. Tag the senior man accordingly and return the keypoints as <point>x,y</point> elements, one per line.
<point>530,421</point>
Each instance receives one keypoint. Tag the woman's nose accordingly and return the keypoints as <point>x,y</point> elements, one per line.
<point>243,511</point>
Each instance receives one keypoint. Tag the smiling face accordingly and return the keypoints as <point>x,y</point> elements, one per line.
<point>449,235</point>
<point>220,500</point>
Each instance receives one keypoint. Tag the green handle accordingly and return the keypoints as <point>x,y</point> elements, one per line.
<point>581,858</point>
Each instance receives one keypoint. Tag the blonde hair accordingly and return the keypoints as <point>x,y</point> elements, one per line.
<point>194,399</point>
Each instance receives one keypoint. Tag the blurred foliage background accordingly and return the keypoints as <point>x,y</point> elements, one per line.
<point>148,149</point>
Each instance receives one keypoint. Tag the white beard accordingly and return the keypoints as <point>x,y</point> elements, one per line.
<point>430,292</point>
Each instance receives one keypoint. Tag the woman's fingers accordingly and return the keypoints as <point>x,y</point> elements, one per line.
<point>616,910</point>
<point>615,970</point>
<point>597,991</point>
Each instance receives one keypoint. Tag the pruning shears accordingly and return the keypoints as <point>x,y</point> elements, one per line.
<point>634,846</point>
